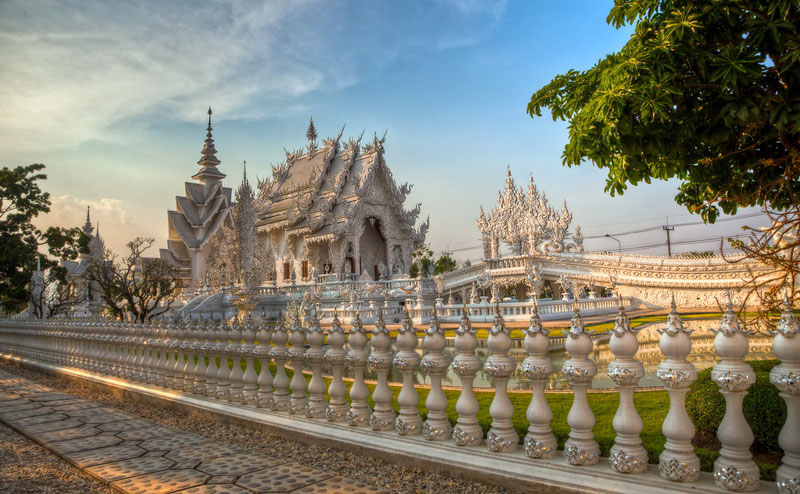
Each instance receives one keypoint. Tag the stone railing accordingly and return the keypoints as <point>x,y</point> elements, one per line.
<point>184,357</point>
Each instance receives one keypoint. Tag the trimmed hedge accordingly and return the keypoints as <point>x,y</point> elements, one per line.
<point>764,410</point>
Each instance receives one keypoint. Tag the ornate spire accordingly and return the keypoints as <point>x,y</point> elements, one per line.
<point>311,133</point>
<point>208,161</point>
<point>87,227</point>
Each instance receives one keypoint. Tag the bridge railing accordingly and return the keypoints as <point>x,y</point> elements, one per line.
<point>205,359</point>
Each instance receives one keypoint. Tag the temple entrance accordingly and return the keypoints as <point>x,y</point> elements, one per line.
<point>372,248</point>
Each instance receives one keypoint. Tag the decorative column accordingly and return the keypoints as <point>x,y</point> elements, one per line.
<point>334,357</point>
<point>262,352</point>
<point>409,422</point>
<point>627,454</point>
<point>298,400</point>
<point>786,377</point>
<point>466,364</point>
<point>202,347</point>
<point>235,350</point>
<point>315,357</point>
<point>177,349</point>
<point>734,470</point>
<point>677,462</point>
<point>189,348</point>
<point>224,372</point>
<point>359,411</point>
<point>436,426</point>
<point>213,356</point>
<point>537,366</point>
<point>501,436</point>
<point>580,448</point>
<point>279,352</point>
<point>382,418</point>
<point>249,394</point>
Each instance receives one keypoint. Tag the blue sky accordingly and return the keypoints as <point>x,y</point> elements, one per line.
<point>112,96</point>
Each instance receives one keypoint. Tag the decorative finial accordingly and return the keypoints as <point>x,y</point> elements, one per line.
<point>87,227</point>
<point>208,160</point>
<point>311,133</point>
<point>788,324</point>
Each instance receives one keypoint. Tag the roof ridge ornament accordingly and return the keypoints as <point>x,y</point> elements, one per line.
<point>208,160</point>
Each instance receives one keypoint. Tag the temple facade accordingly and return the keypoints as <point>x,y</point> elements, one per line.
<point>333,210</point>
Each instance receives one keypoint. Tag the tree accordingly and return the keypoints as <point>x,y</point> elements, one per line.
<point>21,200</point>
<point>421,261</point>
<point>444,264</point>
<point>141,286</point>
<point>52,295</point>
<point>707,92</point>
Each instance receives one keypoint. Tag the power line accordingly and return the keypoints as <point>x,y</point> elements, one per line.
<point>692,223</point>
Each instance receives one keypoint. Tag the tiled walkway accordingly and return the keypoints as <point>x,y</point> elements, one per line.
<point>138,456</point>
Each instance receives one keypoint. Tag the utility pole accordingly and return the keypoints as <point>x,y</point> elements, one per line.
<point>668,228</point>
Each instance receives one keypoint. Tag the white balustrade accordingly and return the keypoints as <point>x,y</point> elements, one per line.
<point>409,422</point>
<point>786,377</point>
<point>501,436</point>
<point>436,427</point>
<point>735,469</point>
<point>677,462</point>
<point>581,447</point>
<point>359,412</point>
<point>627,454</point>
<point>540,442</point>
<point>380,360</point>
<point>466,364</point>
<point>184,355</point>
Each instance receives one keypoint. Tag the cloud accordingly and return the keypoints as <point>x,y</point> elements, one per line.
<point>110,215</point>
<point>75,71</point>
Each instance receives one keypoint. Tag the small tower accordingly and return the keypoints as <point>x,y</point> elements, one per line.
<point>88,229</point>
<point>311,134</point>
<point>208,173</point>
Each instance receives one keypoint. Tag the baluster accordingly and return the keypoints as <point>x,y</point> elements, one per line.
<point>279,352</point>
<point>177,350</point>
<point>539,441</point>
<point>499,365</point>
<point>409,422</point>
<point>314,356</point>
<point>189,347</point>
<point>202,346</point>
<point>382,418</point>
<point>437,426</point>
<point>143,354</point>
<point>580,448</point>
<point>734,470</point>
<point>213,354</point>
<point>236,375</point>
<point>224,372</point>
<point>249,378</point>
<point>627,454</point>
<point>786,377</point>
<point>466,364</point>
<point>159,348</point>
<point>677,462</point>
<point>357,359</point>
<point>298,400</point>
<point>334,357</point>
<point>169,352</point>
<point>262,352</point>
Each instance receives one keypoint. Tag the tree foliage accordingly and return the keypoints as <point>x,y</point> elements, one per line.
<point>22,200</point>
<point>134,284</point>
<point>706,91</point>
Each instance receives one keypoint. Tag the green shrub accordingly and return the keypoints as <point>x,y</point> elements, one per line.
<point>764,410</point>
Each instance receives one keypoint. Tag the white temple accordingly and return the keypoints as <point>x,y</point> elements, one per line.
<point>332,210</point>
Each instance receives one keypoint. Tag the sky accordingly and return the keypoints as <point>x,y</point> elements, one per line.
<point>112,98</point>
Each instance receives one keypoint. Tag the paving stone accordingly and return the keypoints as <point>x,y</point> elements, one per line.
<point>282,478</point>
<point>119,470</point>
<point>38,419</point>
<point>202,452</point>
<point>340,485</point>
<point>8,396</point>
<point>238,464</point>
<point>64,434</point>
<point>12,403</point>
<point>215,489</point>
<point>124,425</point>
<point>102,418</point>
<point>161,482</point>
<point>94,442</point>
<point>91,411</point>
<point>178,440</point>
<point>28,405</point>
<point>47,397</point>
<point>105,455</point>
<point>221,479</point>
<point>27,413</point>
<point>147,432</point>
<point>51,426</point>
<point>76,406</point>
<point>64,401</point>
